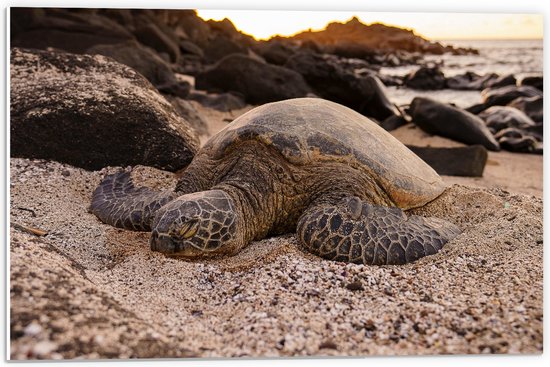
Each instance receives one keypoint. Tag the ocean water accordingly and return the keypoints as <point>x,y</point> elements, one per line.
<point>519,57</point>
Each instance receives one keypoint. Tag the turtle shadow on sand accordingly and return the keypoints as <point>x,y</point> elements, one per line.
<point>303,165</point>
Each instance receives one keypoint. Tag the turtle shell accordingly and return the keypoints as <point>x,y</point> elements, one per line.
<point>307,130</point>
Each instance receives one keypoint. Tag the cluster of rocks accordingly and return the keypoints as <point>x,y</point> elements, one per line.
<point>430,77</point>
<point>119,84</point>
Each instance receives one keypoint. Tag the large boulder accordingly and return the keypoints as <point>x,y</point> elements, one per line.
<point>72,31</point>
<point>533,81</point>
<point>426,78</point>
<point>150,34</point>
<point>365,94</point>
<point>454,161</point>
<point>531,106</point>
<point>470,81</point>
<point>109,114</point>
<point>502,96</point>
<point>454,123</point>
<point>275,52</point>
<point>258,82</point>
<point>501,117</point>
<point>501,81</point>
<point>145,61</point>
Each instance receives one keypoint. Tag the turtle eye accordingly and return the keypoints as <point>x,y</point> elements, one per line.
<point>188,229</point>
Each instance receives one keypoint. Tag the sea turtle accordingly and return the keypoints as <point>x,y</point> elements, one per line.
<point>304,165</point>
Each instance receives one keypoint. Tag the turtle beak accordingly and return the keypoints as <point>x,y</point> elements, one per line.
<point>162,243</point>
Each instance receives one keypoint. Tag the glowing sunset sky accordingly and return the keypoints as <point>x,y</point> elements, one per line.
<point>435,26</point>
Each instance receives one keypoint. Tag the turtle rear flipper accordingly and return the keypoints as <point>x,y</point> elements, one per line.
<point>116,201</point>
<point>358,232</point>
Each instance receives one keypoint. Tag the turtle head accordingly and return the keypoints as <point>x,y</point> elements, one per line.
<point>200,224</point>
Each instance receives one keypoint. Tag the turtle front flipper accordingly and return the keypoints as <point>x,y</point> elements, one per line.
<point>358,232</point>
<point>116,201</point>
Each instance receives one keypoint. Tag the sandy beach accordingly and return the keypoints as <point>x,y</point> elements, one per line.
<point>96,90</point>
<point>90,290</point>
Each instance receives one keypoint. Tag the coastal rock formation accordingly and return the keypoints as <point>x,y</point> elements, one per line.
<point>425,78</point>
<point>109,114</point>
<point>454,161</point>
<point>365,94</point>
<point>72,31</point>
<point>501,81</point>
<point>513,129</point>
<point>454,123</point>
<point>258,82</point>
<point>533,81</point>
<point>531,106</point>
<point>470,81</point>
<point>502,96</point>
<point>356,39</point>
<point>500,117</point>
<point>147,63</point>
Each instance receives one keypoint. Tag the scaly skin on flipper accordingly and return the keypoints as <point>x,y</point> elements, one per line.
<point>357,232</point>
<point>116,201</point>
<point>304,164</point>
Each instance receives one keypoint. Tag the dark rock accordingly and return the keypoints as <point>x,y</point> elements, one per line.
<point>356,39</point>
<point>456,161</point>
<point>151,35</point>
<point>188,47</point>
<point>515,140</point>
<point>500,117</point>
<point>451,122</point>
<point>393,122</point>
<point>365,94</point>
<point>145,61</point>
<point>62,29</point>
<point>470,81</point>
<point>275,52</point>
<point>186,110</point>
<point>502,96</point>
<point>109,114</point>
<point>501,81</point>
<point>531,106</point>
<point>224,102</point>
<point>426,78</point>
<point>258,82</point>
<point>533,81</point>
<point>221,46</point>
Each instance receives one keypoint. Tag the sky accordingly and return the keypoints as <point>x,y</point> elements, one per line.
<point>435,26</point>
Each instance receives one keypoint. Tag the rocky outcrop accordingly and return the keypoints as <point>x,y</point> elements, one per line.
<point>470,81</point>
<point>72,31</point>
<point>531,106</point>
<point>145,61</point>
<point>427,78</point>
<point>365,94</point>
<point>456,161</point>
<point>451,122</point>
<point>356,39</point>
<point>258,82</point>
<point>513,129</point>
<point>533,81</point>
<point>502,96</point>
<point>109,114</point>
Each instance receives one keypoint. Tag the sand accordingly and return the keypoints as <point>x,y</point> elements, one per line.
<point>89,290</point>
